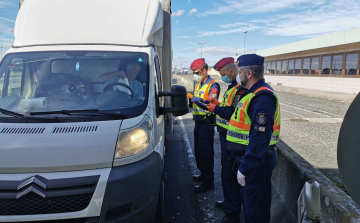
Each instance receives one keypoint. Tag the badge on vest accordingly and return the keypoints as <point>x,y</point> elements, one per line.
<point>237,98</point>
<point>239,104</point>
<point>259,128</point>
<point>261,118</point>
<point>213,96</point>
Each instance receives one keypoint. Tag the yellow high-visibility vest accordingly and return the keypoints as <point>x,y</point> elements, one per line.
<point>240,122</point>
<point>202,93</point>
<point>228,100</point>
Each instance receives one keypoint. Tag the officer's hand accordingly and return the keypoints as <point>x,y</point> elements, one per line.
<point>211,107</point>
<point>241,178</point>
<point>190,95</point>
<point>215,101</point>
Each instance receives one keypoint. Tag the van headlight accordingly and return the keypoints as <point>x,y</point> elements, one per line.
<point>133,141</point>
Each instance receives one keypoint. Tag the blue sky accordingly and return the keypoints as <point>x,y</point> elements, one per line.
<point>221,24</point>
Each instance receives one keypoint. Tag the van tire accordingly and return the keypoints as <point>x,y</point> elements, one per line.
<point>159,217</point>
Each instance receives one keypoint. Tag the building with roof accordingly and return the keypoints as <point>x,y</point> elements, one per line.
<point>329,63</point>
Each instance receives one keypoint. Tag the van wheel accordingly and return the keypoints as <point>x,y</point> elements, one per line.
<point>159,217</point>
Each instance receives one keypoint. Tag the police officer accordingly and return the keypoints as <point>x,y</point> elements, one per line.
<point>254,130</point>
<point>205,121</point>
<point>231,189</point>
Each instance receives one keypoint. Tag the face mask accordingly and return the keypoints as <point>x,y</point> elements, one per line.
<point>238,79</point>
<point>226,79</point>
<point>197,77</point>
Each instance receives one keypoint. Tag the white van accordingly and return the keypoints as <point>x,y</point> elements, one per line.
<point>82,114</point>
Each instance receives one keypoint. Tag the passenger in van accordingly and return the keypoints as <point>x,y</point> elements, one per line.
<point>128,70</point>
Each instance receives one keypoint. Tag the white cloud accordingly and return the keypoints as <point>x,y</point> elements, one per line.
<point>193,11</point>
<point>182,59</point>
<point>232,25</point>
<point>318,21</point>
<point>184,37</point>
<point>191,43</point>
<point>218,51</point>
<point>6,42</point>
<point>188,1</point>
<point>177,21</point>
<point>240,28</point>
<point>306,23</point>
<point>6,31</point>
<point>178,13</point>
<point>259,6</point>
<point>6,19</point>
<point>4,3</point>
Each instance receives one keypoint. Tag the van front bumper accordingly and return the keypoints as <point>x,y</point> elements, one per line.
<point>132,191</point>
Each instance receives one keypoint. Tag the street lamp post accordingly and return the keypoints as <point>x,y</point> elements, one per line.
<point>201,46</point>
<point>245,40</point>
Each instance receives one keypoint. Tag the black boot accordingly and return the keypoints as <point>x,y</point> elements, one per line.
<point>231,218</point>
<point>205,186</point>
<point>219,204</point>
<point>197,178</point>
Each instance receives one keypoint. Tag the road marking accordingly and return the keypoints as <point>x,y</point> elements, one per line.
<point>306,110</point>
<point>314,109</point>
<point>186,138</point>
<point>282,110</point>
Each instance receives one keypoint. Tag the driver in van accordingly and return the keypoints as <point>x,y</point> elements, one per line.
<point>128,70</point>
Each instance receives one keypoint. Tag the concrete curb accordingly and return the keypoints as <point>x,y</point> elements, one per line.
<point>289,178</point>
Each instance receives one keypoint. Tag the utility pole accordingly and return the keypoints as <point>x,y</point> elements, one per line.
<point>245,40</point>
<point>201,46</point>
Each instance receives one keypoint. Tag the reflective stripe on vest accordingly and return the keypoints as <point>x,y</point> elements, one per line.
<point>202,93</point>
<point>228,100</point>
<point>240,122</point>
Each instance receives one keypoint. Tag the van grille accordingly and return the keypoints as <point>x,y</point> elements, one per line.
<point>32,204</point>
<point>75,129</point>
<point>73,220</point>
<point>38,195</point>
<point>22,130</point>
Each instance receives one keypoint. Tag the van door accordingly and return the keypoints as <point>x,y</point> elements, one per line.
<point>160,118</point>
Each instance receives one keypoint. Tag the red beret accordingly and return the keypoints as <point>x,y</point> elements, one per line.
<point>224,61</point>
<point>197,64</point>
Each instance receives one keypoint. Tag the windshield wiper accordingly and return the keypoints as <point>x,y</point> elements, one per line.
<point>11,113</point>
<point>18,115</point>
<point>72,112</point>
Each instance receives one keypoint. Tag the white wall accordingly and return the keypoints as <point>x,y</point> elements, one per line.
<point>332,39</point>
<point>332,84</point>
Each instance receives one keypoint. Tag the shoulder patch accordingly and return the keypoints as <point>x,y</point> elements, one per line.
<point>213,96</point>
<point>261,118</point>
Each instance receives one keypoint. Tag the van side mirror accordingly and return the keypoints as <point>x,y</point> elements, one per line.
<point>179,101</point>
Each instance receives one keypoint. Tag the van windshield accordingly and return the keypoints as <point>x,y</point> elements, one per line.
<point>74,80</point>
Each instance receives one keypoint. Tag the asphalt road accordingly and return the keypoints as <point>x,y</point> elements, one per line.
<point>310,126</point>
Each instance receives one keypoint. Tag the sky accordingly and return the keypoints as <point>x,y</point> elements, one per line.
<point>221,24</point>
